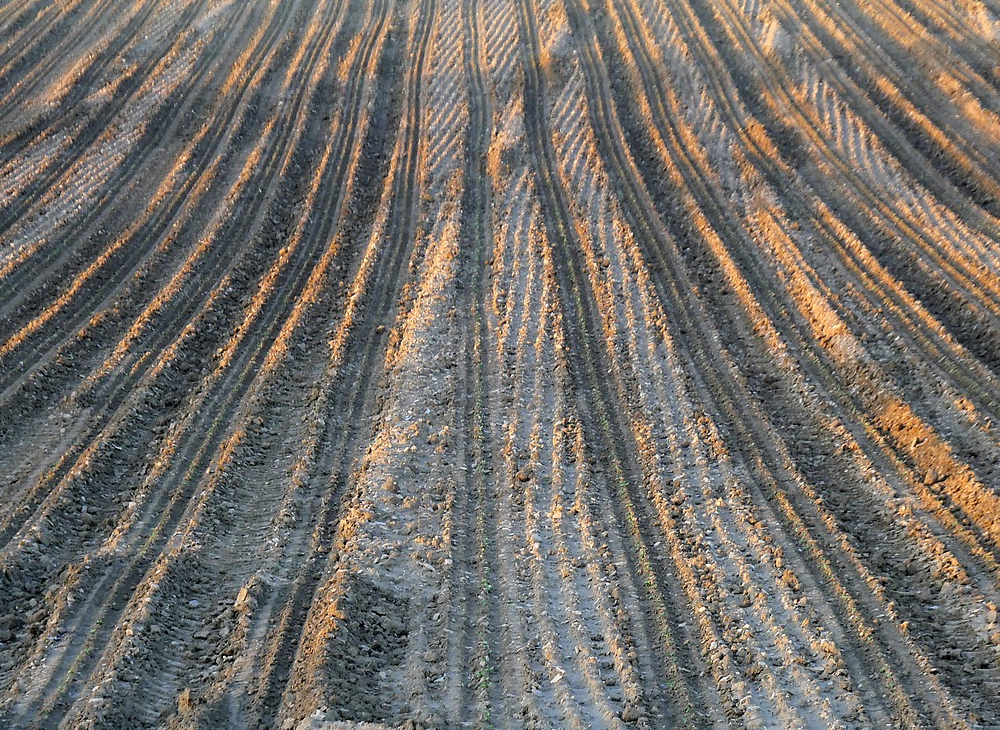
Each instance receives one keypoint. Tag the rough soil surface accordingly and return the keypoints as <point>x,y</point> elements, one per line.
<point>429,364</point>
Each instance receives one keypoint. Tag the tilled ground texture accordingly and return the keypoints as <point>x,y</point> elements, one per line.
<point>553,364</point>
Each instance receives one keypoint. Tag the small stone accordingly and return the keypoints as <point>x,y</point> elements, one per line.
<point>242,598</point>
<point>991,616</point>
<point>193,603</point>
<point>184,701</point>
<point>631,714</point>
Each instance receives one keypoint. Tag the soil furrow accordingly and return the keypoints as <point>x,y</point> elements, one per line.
<point>499,364</point>
<point>269,657</point>
<point>471,698</point>
<point>26,59</point>
<point>38,270</point>
<point>944,138</point>
<point>125,86</point>
<point>37,263</point>
<point>853,376</point>
<point>959,370</point>
<point>604,424</point>
<point>212,270</point>
<point>297,105</point>
<point>173,568</point>
<point>964,276</point>
<point>365,328</point>
<point>969,288</point>
<point>644,218</point>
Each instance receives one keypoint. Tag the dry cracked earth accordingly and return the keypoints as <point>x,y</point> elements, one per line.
<point>550,364</point>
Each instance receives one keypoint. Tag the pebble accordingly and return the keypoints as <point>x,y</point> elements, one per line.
<point>184,701</point>
<point>193,603</point>
<point>631,714</point>
<point>243,599</point>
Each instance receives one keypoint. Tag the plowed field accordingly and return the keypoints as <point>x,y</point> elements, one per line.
<point>551,364</point>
